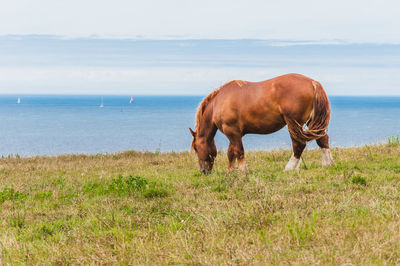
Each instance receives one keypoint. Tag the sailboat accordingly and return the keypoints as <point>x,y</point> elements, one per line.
<point>131,101</point>
<point>102,103</point>
<point>19,100</point>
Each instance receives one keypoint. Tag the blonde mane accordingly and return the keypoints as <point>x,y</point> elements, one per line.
<point>203,105</point>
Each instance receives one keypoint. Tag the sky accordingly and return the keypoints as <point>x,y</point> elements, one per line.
<point>99,47</point>
<point>355,21</point>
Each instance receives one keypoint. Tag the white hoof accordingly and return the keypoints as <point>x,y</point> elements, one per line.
<point>293,164</point>
<point>327,159</point>
<point>242,166</point>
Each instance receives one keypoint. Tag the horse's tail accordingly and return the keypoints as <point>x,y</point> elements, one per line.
<point>317,124</point>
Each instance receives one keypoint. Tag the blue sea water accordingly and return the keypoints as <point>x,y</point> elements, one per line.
<point>51,125</point>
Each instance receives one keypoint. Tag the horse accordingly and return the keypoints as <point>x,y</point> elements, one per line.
<point>241,107</point>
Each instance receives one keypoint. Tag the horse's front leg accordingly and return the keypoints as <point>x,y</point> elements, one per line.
<point>231,157</point>
<point>236,151</point>
<point>295,161</point>
<point>242,165</point>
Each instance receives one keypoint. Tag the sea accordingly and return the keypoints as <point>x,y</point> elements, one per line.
<point>65,124</point>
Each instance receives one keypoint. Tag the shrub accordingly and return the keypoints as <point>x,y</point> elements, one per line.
<point>10,194</point>
<point>138,186</point>
<point>358,179</point>
<point>130,185</point>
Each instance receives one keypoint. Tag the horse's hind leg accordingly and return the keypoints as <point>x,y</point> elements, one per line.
<point>294,162</point>
<point>323,143</point>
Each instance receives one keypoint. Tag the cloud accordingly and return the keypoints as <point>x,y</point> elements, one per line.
<point>189,81</point>
<point>354,21</point>
<point>51,65</point>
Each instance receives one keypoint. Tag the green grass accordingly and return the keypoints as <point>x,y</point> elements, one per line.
<point>155,208</point>
<point>393,140</point>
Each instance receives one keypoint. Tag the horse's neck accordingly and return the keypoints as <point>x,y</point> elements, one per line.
<point>207,128</point>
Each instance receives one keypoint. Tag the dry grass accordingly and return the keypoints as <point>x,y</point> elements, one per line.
<point>76,210</point>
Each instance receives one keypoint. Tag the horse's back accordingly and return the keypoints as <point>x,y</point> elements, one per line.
<point>258,107</point>
<point>280,86</point>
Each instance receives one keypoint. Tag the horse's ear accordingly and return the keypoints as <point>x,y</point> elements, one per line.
<point>192,132</point>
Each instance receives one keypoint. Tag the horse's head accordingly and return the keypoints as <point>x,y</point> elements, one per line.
<point>206,152</point>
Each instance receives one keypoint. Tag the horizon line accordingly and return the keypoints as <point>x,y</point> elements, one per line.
<point>175,95</point>
<point>273,42</point>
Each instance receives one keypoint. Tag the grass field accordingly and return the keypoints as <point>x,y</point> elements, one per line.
<point>149,208</point>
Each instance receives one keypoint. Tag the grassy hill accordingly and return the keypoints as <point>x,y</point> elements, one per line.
<point>149,208</point>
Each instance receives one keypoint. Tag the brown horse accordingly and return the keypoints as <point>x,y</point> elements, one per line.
<point>240,107</point>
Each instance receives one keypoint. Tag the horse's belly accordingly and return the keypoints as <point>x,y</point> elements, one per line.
<point>262,127</point>
<point>248,116</point>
